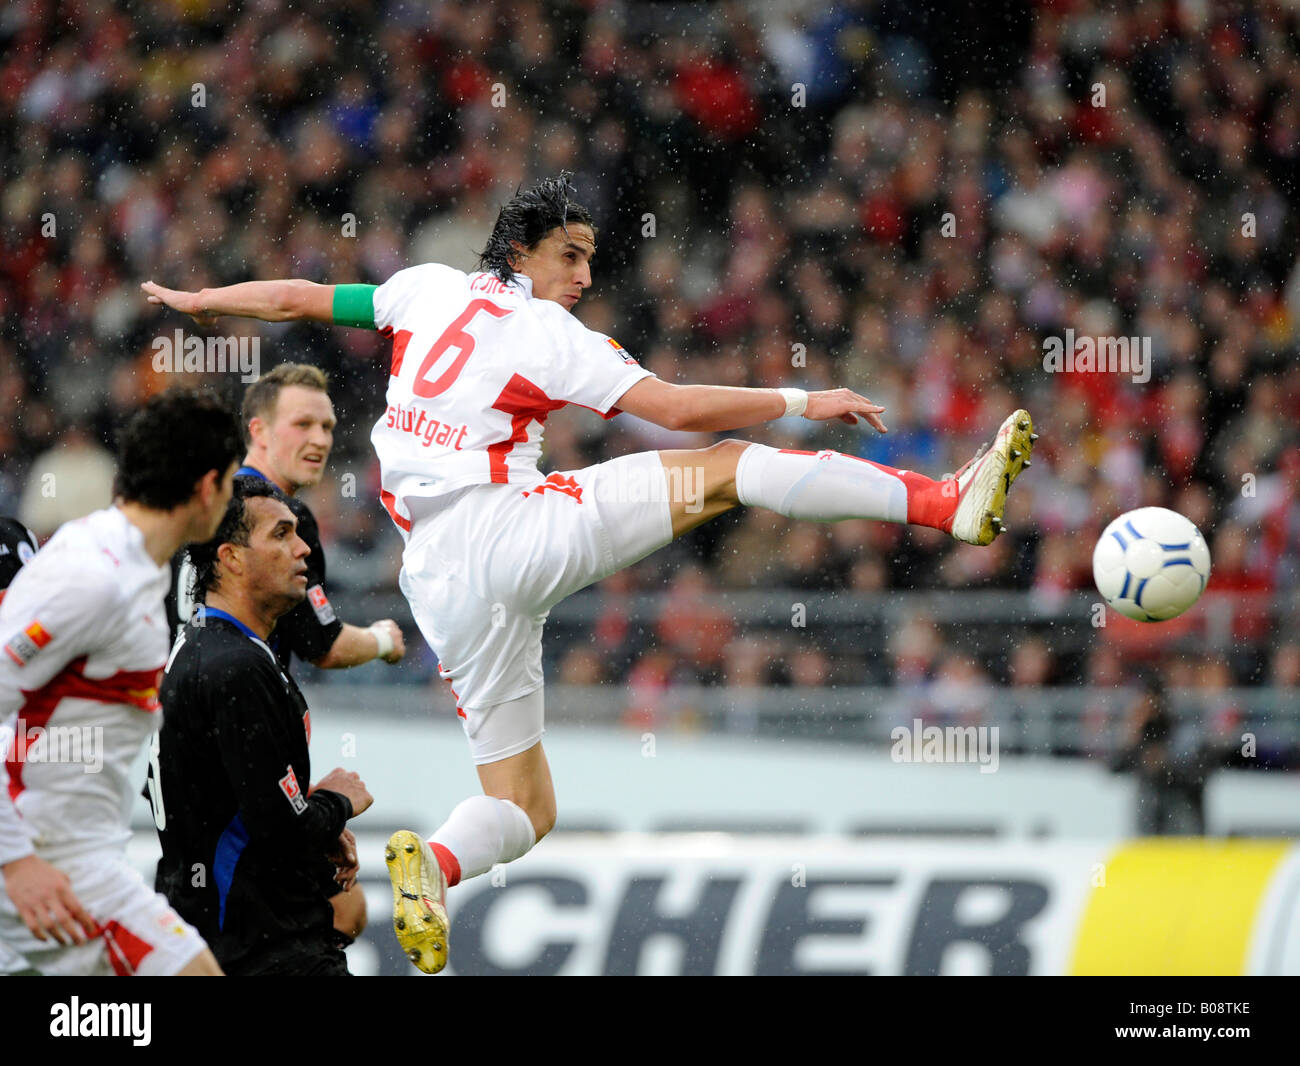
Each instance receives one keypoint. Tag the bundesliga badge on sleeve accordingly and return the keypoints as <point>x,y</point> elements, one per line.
<point>292,792</point>
<point>320,604</point>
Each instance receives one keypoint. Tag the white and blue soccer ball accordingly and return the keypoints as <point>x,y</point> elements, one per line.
<point>1151,564</point>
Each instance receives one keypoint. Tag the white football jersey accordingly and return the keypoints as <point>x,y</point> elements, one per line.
<point>477,366</point>
<point>83,640</point>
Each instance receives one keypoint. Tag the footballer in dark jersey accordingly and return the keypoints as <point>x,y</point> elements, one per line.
<point>230,778</point>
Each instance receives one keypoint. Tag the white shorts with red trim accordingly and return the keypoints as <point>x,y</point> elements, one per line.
<point>141,934</point>
<point>482,575</point>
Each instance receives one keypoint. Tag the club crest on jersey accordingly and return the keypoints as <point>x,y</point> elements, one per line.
<point>23,646</point>
<point>320,604</point>
<point>621,351</point>
<point>289,786</point>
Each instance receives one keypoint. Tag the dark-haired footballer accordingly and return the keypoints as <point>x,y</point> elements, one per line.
<point>479,362</point>
<point>230,780</point>
<point>84,638</point>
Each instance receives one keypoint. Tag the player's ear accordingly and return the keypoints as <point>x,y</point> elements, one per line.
<point>256,430</point>
<point>206,488</point>
<point>228,558</point>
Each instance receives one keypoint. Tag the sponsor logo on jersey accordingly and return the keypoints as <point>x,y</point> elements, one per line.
<point>23,646</point>
<point>621,351</point>
<point>429,430</point>
<point>320,604</point>
<point>289,786</point>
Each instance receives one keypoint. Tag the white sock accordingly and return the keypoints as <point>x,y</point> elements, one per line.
<point>483,831</point>
<point>824,487</point>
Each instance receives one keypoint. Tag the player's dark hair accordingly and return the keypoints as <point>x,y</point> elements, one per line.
<point>527,218</point>
<point>261,397</point>
<point>170,443</point>
<point>17,545</point>
<point>236,526</point>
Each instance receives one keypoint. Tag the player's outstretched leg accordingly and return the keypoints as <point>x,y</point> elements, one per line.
<point>829,486</point>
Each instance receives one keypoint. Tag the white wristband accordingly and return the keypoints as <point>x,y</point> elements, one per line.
<point>383,638</point>
<point>796,401</point>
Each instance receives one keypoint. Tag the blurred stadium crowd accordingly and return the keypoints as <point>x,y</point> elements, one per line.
<point>807,195</point>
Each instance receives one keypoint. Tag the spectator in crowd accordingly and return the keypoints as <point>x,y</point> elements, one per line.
<point>72,479</point>
<point>1170,780</point>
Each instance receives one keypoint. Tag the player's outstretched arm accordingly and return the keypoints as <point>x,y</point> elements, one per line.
<point>271,301</point>
<point>718,408</point>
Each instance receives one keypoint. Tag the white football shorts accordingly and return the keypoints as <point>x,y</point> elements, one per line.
<point>482,575</point>
<point>141,934</point>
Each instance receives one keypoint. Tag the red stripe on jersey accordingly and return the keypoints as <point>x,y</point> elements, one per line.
<point>32,716</point>
<point>390,505</point>
<point>447,679</point>
<point>137,688</point>
<point>527,403</point>
<point>400,340</point>
<point>125,950</point>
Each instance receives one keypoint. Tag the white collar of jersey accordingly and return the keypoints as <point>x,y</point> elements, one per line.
<point>135,540</point>
<point>524,282</point>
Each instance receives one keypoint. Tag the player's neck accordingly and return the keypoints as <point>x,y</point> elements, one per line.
<point>264,468</point>
<point>164,532</point>
<point>245,610</point>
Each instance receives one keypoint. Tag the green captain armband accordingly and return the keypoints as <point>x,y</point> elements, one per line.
<point>354,305</point>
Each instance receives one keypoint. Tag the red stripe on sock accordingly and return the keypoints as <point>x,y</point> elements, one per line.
<point>927,503</point>
<point>448,862</point>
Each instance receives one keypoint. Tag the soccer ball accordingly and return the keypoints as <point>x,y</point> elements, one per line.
<point>1151,564</point>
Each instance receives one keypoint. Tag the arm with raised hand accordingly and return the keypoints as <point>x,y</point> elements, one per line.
<point>718,408</point>
<point>271,301</point>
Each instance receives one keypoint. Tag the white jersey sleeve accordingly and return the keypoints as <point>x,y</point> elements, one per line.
<point>43,626</point>
<point>597,370</point>
<point>397,299</point>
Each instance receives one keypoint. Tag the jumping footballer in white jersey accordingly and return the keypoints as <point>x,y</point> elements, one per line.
<point>479,361</point>
<point>83,641</point>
